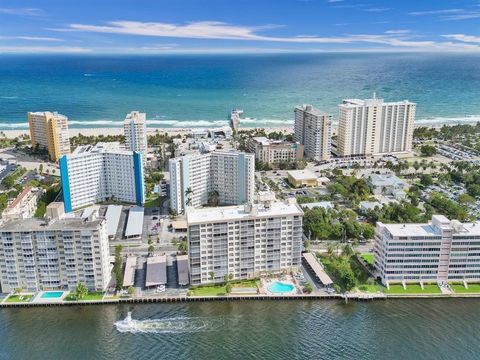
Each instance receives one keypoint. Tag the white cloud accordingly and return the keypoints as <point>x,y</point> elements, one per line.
<point>220,30</point>
<point>436,12</point>
<point>334,1</point>
<point>22,11</point>
<point>463,38</point>
<point>30,38</point>
<point>43,49</point>
<point>377,9</point>
<point>398,31</point>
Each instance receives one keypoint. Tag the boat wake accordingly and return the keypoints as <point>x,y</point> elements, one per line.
<point>168,325</point>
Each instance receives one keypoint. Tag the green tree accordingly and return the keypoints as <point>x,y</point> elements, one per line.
<point>80,291</point>
<point>131,290</point>
<point>427,150</point>
<point>426,180</point>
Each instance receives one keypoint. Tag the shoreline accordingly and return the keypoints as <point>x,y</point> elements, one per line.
<point>366,297</point>
<point>173,131</point>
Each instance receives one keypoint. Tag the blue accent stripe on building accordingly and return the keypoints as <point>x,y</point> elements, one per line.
<point>138,173</point>
<point>67,200</point>
<point>241,178</point>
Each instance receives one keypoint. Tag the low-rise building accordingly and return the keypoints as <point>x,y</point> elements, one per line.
<point>24,205</point>
<point>243,241</point>
<point>440,251</point>
<point>388,185</point>
<point>302,178</point>
<point>274,151</point>
<point>54,253</point>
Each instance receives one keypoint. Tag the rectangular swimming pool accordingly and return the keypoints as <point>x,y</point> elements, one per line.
<point>52,295</point>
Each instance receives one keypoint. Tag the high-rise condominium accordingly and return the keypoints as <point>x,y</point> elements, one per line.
<point>49,131</point>
<point>313,131</point>
<point>372,126</point>
<point>102,172</point>
<point>223,177</point>
<point>58,253</point>
<point>135,131</point>
<point>243,241</point>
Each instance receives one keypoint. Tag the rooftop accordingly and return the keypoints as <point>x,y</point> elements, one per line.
<point>156,270</point>
<point>302,174</point>
<point>311,110</point>
<point>113,218</point>
<point>371,102</point>
<point>320,204</point>
<point>101,147</point>
<point>429,230</point>
<point>385,180</point>
<point>35,224</point>
<point>136,116</point>
<point>135,222</point>
<point>235,213</point>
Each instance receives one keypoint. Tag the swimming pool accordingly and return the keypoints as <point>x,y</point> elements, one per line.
<point>280,287</point>
<point>52,295</point>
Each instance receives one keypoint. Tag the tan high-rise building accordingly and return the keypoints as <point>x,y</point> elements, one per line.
<point>50,131</point>
<point>372,127</point>
<point>135,131</point>
<point>313,131</point>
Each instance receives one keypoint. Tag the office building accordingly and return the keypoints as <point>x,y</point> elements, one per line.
<point>227,176</point>
<point>373,127</point>
<point>243,241</point>
<point>135,131</point>
<point>441,251</point>
<point>54,253</point>
<point>96,173</point>
<point>313,131</point>
<point>274,151</point>
<point>49,131</point>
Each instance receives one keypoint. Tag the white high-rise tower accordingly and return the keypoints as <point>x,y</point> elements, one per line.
<point>135,131</point>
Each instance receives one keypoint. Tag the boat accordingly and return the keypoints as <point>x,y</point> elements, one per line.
<point>126,324</point>
<point>235,118</point>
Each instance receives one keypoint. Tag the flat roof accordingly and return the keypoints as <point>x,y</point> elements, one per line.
<point>129,273</point>
<point>87,212</point>
<point>182,268</point>
<point>156,270</point>
<point>113,218</point>
<point>179,224</point>
<point>317,269</point>
<point>232,213</point>
<point>319,204</point>
<point>135,222</point>
<point>302,174</point>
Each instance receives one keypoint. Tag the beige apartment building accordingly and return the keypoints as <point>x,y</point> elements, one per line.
<point>313,131</point>
<point>275,151</point>
<point>49,131</point>
<point>374,127</point>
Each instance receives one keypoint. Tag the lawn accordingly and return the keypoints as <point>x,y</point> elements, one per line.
<point>413,289</point>
<point>245,284</point>
<point>371,288</point>
<point>154,201</point>
<point>16,298</point>
<point>88,297</point>
<point>208,291</point>
<point>369,258</point>
<point>459,288</point>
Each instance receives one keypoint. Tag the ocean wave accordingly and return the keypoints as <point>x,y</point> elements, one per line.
<point>449,120</point>
<point>169,325</point>
<point>9,97</point>
<point>14,126</point>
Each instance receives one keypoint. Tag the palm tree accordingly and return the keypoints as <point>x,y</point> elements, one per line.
<point>188,194</point>
<point>213,198</point>
<point>80,291</point>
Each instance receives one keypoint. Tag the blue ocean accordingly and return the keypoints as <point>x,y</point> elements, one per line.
<point>200,90</point>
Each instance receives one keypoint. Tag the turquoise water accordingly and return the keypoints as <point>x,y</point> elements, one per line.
<point>280,287</point>
<point>200,90</point>
<point>280,330</point>
<point>52,295</point>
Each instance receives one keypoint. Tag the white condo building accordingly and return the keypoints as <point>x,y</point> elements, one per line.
<point>313,131</point>
<point>372,127</point>
<point>244,241</point>
<point>101,172</point>
<point>227,173</point>
<point>135,131</point>
<point>442,250</point>
<point>48,254</point>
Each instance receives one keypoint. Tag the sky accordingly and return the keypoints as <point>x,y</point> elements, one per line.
<point>238,26</point>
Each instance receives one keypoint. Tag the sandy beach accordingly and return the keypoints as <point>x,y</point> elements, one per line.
<point>119,131</point>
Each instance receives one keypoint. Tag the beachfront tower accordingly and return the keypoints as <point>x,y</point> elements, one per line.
<point>373,127</point>
<point>135,131</point>
<point>313,131</point>
<point>49,131</point>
